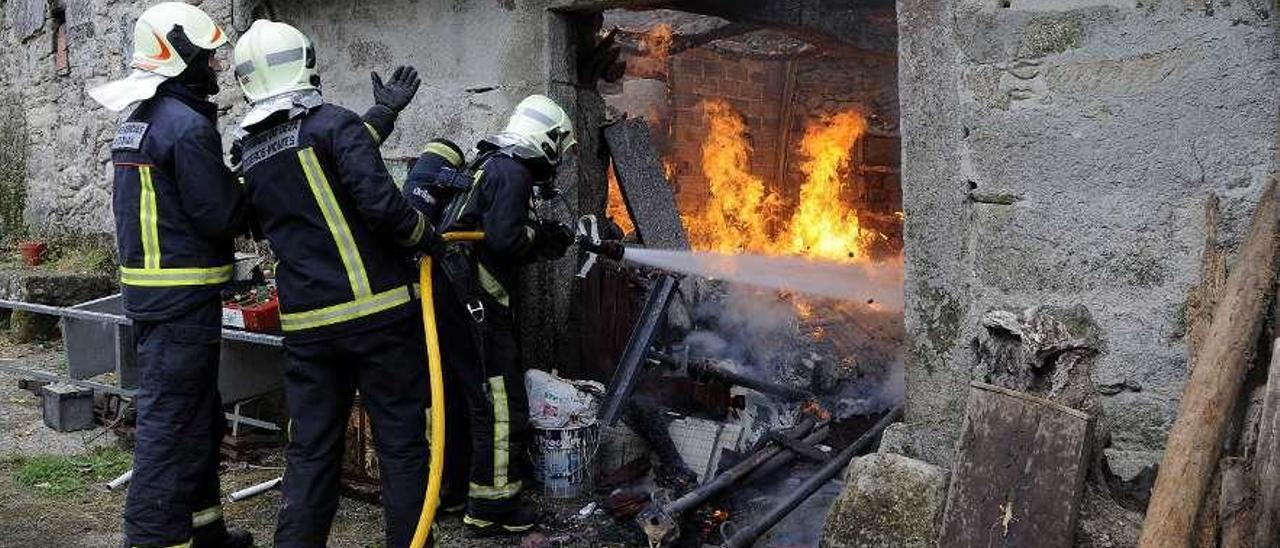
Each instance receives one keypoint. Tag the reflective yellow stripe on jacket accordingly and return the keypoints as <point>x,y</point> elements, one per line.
<point>332,213</point>
<point>373,132</point>
<point>148,219</point>
<point>351,310</point>
<point>152,274</point>
<point>175,277</point>
<point>365,302</point>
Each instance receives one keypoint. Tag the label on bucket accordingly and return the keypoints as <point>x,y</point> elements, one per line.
<point>562,459</point>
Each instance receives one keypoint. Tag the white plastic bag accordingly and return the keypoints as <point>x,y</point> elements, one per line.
<point>561,403</point>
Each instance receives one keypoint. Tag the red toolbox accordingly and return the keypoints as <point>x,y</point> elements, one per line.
<point>253,316</point>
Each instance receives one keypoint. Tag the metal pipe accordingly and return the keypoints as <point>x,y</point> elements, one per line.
<point>121,481</point>
<point>658,523</point>
<point>784,458</point>
<point>705,368</point>
<point>118,319</point>
<point>744,538</point>
<point>696,497</point>
<point>65,312</point>
<point>254,490</point>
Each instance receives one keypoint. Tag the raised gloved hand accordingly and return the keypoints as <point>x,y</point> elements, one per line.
<point>399,90</point>
<point>552,239</point>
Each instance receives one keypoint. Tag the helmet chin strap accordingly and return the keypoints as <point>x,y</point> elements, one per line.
<point>198,77</point>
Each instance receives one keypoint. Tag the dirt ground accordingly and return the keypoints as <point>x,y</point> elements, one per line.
<point>41,512</point>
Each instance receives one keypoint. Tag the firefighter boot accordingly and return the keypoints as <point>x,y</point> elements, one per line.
<point>517,520</point>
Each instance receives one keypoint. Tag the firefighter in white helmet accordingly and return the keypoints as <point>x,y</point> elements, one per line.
<point>316,185</point>
<point>477,296</point>
<point>177,212</point>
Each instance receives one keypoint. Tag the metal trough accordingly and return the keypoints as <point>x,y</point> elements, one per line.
<point>99,339</point>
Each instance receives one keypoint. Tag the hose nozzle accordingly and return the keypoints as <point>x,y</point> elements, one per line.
<point>589,241</point>
<point>612,249</point>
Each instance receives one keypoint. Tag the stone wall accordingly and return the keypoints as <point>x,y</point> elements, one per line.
<point>56,138</point>
<point>1061,153</point>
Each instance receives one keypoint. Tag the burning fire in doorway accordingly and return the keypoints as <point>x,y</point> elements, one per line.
<point>744,215</point>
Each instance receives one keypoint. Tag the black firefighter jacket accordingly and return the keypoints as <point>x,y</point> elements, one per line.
<point>501,204</point>
<point>176,205</point>
<point>317,188</point>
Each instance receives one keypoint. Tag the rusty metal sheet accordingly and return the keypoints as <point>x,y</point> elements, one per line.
<point>645,189</point>
<point>1018,474</point>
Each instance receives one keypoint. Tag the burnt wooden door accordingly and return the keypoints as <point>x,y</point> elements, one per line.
<point>1018,473</point>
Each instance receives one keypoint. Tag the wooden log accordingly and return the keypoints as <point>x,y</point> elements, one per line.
<point>1266,459</point>
<point>1208,524</point>
<point>1213,278</point>
<point>1195,442</point>
<point>1200,303</point>
<point>1018,475</point>
<point>1237,504</point>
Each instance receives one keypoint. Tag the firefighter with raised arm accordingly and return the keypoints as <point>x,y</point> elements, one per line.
<point>317,187</point>
<point>477,296</point>
<point>176,210</point>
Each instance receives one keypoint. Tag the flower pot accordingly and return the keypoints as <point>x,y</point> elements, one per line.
<point>32,253</point>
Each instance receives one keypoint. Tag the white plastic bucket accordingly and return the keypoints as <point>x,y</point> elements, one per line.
<point>564,459</point>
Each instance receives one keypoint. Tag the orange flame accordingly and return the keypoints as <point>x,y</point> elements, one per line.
<point>655,48</point>
<point>617,209</point>
<point>739,207</point>
<point>657,42</point>
<point>823,225</point>
<point>743,215</point>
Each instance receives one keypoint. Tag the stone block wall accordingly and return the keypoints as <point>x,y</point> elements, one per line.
<point>57,161</point>
<point>1062,154</point>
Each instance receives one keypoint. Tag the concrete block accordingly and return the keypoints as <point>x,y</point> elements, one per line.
<point>67,408</point>
<point>889,501</point>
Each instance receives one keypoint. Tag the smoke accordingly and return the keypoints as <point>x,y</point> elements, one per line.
<point>877,283</point>
<point>847,353</point>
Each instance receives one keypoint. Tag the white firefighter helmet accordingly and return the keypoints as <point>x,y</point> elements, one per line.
<point>274,58</point>
<point>541,123</point>
<point>153,48</point>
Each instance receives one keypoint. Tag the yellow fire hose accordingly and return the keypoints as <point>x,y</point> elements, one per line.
<point>436,369</point>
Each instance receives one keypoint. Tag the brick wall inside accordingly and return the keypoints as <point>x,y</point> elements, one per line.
<point>753,87</point>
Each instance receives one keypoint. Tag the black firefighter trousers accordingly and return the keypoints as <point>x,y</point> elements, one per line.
<point>174,496</point>
<point>487,411</point>
<point>389,367</point>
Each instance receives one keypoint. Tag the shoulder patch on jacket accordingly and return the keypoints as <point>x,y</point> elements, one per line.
<point>129,136</point>
<point>271,142</point>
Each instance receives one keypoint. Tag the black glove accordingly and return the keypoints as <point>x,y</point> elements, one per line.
<point>432,244</point>
<point>397,92</point>
<point>552,239</point>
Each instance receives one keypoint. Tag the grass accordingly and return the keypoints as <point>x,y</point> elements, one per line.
<point>60,476</point>
<point>82,255</point>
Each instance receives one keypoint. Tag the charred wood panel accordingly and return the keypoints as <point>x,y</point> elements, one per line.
<point>1019,472</point>
<point>645,190</point>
